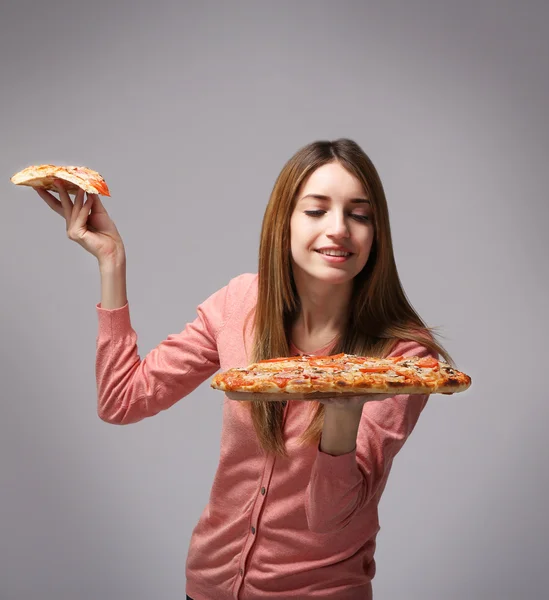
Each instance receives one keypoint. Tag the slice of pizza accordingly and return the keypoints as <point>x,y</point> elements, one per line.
<point>310,377</point>
<point>75,178</point>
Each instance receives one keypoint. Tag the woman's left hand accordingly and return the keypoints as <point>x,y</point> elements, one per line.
<point>357,402</point>
<point>353,402</point>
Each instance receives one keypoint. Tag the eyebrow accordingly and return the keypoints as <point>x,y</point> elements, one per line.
<point>322,197</point>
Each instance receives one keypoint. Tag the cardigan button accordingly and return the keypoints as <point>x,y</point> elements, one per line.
<point>253,529</point>
<point>263,491</point>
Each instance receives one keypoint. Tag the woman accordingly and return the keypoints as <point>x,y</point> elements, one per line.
<point>293,507</point>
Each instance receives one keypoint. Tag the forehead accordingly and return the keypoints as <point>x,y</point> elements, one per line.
<point>332,180</point>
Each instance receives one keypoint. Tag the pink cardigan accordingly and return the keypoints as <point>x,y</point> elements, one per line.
<point>301,527</point>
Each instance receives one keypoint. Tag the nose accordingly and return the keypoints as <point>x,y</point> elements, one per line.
<point>337,226</point>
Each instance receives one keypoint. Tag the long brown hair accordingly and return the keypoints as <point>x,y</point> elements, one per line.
<point>380,314</point>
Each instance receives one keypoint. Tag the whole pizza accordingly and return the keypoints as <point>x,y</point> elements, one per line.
<point>311,377</point>
<point>75,178</point>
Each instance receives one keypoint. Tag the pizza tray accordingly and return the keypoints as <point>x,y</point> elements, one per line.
<point>281,397</point>
<point>276,397</point>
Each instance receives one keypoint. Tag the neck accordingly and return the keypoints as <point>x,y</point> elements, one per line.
<point>324,306</point>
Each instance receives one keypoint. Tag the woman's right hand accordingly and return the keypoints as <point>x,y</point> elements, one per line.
<point>88,223</point>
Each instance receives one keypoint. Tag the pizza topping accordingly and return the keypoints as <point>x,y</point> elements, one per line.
<point>427,362</point>
<point>342,374</point>
<point>235,380</point>
<point>330,357</point>
<point>373,369</point>
<point>274,360</point>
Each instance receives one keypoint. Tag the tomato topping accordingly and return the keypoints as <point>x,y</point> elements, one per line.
<point>281,359</point>
<point>236,380</point>
<point>428,362</point>
<point>331,356</point>
<point>380,369</point>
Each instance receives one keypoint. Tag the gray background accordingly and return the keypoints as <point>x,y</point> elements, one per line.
<point>450,101</point>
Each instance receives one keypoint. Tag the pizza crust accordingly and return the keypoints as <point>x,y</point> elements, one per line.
<point>75,178</point>
<point>277,396</point>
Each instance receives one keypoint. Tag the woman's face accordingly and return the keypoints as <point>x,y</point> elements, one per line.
<point>331,228</point>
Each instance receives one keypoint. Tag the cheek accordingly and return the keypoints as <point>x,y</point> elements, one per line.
<point>295,241</point>
<point>293,230</point>
<point>367,237</point>
<point>370,239</point>
<point>364,239</point>
<point>301,233</point>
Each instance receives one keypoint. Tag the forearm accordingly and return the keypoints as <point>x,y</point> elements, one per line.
<point>337,486</point>
<point>340,430</point>
<point>113,284</point>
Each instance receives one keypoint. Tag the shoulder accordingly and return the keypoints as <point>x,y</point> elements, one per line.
<point>241,288</point>
<point>412,348</point>
<point>244,281</point>
<point>228,302</point>
<point>233,294</point>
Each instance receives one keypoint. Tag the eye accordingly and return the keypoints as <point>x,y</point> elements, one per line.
<point>319,213</point>
<point>362,218</point>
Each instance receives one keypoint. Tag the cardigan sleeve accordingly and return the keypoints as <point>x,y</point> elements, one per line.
<point>129,388</point>
<point>341,486</point>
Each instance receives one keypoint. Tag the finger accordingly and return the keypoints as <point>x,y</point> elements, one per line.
<point>50,200</point>
<point>345,402</point>
<point>83,213</point>
<point>78,202</point>
<point>378,396</point>
<point>97,205</point>
<point>65,200</point>
<point>373,397</point>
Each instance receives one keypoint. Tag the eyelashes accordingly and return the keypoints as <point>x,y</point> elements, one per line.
<point>319,213</point>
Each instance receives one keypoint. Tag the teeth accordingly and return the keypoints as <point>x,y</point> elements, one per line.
<point>334,252</point>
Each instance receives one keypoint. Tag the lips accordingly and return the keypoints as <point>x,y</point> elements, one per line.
<point>334,251</point>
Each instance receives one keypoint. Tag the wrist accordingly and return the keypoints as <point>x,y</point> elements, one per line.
<point>340,429</point>
<point>113,285</point>
<point>112,264</point>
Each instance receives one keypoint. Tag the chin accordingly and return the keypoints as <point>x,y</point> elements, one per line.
<point>329,276</point>
<point>337,278</point>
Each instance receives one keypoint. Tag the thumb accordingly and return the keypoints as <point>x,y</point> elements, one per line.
<point>97,205</point>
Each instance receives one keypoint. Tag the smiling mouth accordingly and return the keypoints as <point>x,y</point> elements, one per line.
<point>334,253</point>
